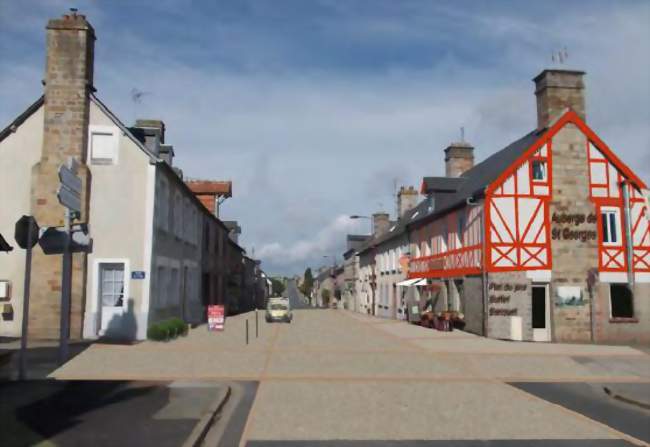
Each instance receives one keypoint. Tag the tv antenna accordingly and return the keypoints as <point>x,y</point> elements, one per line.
<point>136,95</point>
<point>462,134</point>
<point>560,56</point>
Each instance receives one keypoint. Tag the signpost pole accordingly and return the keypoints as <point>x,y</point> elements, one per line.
<point>246,330</point>
<point>23,335</point>
<point>257,325</point>
<point>66,286</point>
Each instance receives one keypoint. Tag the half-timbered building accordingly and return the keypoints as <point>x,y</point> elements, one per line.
<point>547,239</point>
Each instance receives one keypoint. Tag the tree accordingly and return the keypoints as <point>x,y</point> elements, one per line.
<point>307,282</point>
<point>277,286</point>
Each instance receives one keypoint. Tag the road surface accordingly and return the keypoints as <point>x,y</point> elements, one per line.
<point>333,377</point>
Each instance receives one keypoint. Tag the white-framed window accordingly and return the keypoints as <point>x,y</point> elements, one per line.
<point>611,225</point>
<point>161,286</point>
<point>111,284</point>
<point>539,170</point>
<point>460,228</point>
<point>103,145</point>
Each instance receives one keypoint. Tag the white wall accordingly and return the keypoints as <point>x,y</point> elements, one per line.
<point>18,154</point>
<point>120,223</point>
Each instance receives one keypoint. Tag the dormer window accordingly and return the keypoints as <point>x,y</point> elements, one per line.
<point>539,171</point>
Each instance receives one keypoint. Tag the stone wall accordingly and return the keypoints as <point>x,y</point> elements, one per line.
<point>573,259</point>
<point>636,330</point>
<point>68,78</point>
<point>472,304</point>
<point>509,296</point>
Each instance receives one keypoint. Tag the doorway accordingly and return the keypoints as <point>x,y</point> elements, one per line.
<point>111,295</point>
<point>541,314</point>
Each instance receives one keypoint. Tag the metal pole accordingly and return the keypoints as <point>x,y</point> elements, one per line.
<point>28,273</point>
<point>66,286</point>
<point>257,325</point>
<point>246,330</point>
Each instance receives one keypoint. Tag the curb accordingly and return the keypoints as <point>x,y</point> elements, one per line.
<point>202,427</point>
<point>627,400</point>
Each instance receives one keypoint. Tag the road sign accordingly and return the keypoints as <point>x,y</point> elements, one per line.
<point>26,232</point>
<point>69,198</point>
<point>69,192</point>
<point>69,179</point>
<point>137,274</point>
<point>53,240</point>
<point>216,317</point>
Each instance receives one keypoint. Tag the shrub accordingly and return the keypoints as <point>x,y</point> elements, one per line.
<point>167,329</point>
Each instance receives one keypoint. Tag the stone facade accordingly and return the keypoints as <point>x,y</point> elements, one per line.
<point>68,81</point>
<point>459,157</point>
<point>573,260</point>
<point>556,91</point>
<point>472,304</point>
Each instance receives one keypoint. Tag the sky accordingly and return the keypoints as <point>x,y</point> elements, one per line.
<point>316,109</point>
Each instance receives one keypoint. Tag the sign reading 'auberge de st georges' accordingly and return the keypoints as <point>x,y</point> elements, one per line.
<point>564,223</point>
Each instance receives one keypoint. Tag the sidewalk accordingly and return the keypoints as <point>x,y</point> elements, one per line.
<point>104,412</point>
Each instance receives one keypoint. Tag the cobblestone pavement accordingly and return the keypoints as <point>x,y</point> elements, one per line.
<point>333,374</point>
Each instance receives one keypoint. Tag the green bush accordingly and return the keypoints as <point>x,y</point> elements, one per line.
<point>167,329</point>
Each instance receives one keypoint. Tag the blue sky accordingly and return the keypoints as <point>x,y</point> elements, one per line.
<point>314,108</point>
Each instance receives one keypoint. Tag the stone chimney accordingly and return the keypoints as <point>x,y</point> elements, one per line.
<point>459,157</point>
<point>556,91</point>
<point>380,223</point>
<point>68,83</point>
<point>153,132</point>
<point>407,199</point>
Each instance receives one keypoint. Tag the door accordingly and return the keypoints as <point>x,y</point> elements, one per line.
<point>111,296</point>
<point>541,313</point>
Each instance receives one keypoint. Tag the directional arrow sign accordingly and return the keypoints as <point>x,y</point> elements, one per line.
<point>69,179</point>
<point>69,198</point>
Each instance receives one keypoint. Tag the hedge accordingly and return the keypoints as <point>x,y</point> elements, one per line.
<point>167,329</point>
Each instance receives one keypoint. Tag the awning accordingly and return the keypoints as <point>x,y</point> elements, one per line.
<point>420,282</point>
<point>411,282</point>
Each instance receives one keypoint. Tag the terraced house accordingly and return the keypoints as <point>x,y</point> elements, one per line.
<point>157,251</point>
<point>547,239</point>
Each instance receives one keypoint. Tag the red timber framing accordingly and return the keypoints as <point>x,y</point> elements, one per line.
<point>519,237</point>
<point>449,246</point>
<point>606,191</point>
<point>517,216</point>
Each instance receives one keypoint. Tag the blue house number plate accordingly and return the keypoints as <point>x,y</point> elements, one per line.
<point>137,275</point>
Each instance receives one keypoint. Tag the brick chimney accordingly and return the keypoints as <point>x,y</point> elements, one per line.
<point>68,83</point>
<point>556,91</point>
<point>459,157</point>
<point>380,223</point>
<point>407,198</point>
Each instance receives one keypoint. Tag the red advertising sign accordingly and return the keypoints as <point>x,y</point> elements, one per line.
<point>216,317</point>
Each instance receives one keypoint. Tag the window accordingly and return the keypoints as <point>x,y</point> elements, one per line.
<point>163,206</point>
<point>621,301</point>
<point>162,286</point>
<point>460,222</point>
<point>610,227</point>
<point>103,145</point>
<point>539,171</point>
<point>178,215</point>
<point>174,288</point>
<point>111,276</point>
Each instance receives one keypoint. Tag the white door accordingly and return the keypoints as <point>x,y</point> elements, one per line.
<point>111,296</point>
<point>541,313</point>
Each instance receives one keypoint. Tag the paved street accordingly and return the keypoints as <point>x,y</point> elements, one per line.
<point>336,375</point>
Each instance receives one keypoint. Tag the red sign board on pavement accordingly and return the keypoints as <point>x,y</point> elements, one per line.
<point>216,317</point>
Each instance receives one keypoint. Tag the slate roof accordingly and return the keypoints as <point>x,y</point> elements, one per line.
<point>471,184</point>
<point>441,184</point>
